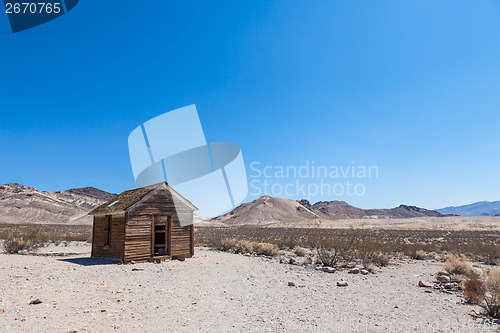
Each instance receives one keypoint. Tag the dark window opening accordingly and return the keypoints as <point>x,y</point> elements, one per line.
<point>107,230</point>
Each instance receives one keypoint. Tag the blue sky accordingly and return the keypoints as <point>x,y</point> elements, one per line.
<point>411,87</point>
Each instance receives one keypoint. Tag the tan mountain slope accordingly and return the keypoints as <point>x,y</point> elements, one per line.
<point>266,210</point>
<point>22,204</point>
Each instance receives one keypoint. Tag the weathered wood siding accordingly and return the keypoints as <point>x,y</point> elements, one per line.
<point>117,237</point>
<point>138,239</point>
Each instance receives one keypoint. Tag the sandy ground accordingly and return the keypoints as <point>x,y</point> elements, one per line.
<point>219,292</point>
<point>484,223</point>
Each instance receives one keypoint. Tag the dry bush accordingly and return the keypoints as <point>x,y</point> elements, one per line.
<point>16,242</point>
<point>420,255</point>
<point>266,249</point>
<point>486,294</point>
<point>335,251</point>
<point>474,290</point>
<point>459,265</point>
<point>244,246</point>
<point>299,251</point>
<point>372,252</point>
<point>225,244</point>
<point>489,254</point>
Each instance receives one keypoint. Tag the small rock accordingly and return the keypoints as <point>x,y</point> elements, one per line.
<point>329,269</point>
<point>318,268</point>
<point>283,261</point>
<point>364,272</point>
<point>86,311</point>
<point>36,301</point>
<point>425,284</point>
<point>353,271</point>
<point>137,269</point>
<point>291,284</point>
<point>247,254</point>
<point>428,291</point>
<point>2,310</point>
<point>451,285</point>
<point>292,261</point>
<point>342,284</point>
<point>443,278</point>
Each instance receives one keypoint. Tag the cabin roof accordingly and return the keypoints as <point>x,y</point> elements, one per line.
<point>128,198</point>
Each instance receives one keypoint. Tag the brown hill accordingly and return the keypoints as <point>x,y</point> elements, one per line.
<point>266,210</point>
<point>22,204</point>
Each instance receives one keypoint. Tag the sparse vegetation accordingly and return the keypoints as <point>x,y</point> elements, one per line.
<point>485,293</point>
<point>27,238</point>
<point>458,265</point>
<point>299,251</point>
<point>428,244</point>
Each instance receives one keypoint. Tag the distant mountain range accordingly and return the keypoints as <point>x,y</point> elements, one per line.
<point>22,204</point>
<point>482,208</point>
<point>268,209</point>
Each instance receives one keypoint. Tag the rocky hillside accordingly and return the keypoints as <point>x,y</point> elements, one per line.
<point>482,208</point>
<point>267,209</point>
<point>22,204</point>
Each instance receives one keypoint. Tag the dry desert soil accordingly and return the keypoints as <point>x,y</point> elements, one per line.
<point>219,292</point>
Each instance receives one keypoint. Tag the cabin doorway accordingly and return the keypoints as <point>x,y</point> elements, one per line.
<point>161,235</point>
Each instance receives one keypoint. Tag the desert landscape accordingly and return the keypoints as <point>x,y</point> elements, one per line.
<point>291,268</point>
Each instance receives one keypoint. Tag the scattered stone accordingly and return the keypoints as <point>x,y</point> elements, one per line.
<point>350,265</point>
<point>180,258</point>
<point>318,268</point>
<point>2,310</point>
<point>291,284</point>
<point>354,271</point>
<point>443,278</point>
<point>451,285</point>
<point>103,310</point>
<point>342,284</point>
<point>137,269</point>
<point>36,301</point>
<point>247,254</point>
<point>328,269</point>
<point>364,272</point>
<point>283,261</point>
<point>86,311</point>
<point>425,284</point>
<point>292,261</point>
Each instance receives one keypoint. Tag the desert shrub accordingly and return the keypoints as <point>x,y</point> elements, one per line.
<point>459,265</point>
<point>474,290</point>
<point>299,251</point>
<point>266,249</point>
<point>420,255</point>
<point>335,251</point>
<point>492,297</point>
<point>486,294</point>
<point>372,252</point>
<point>225,244</point>
<point>244,246</point>
<point>16,241</point>
<point>489,254</point>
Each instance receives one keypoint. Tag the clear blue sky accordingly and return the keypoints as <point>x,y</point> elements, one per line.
<point>412,87</point>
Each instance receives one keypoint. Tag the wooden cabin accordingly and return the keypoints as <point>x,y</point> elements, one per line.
<point>143,224</point>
